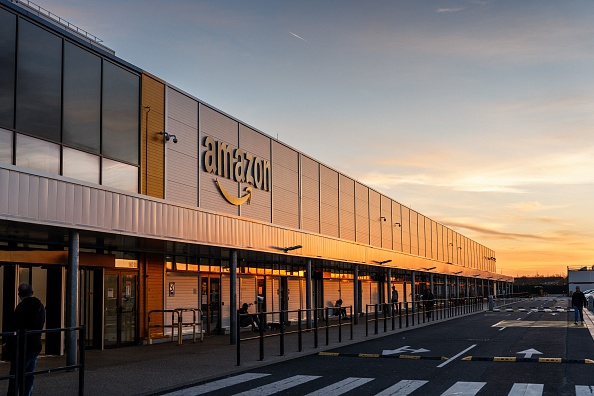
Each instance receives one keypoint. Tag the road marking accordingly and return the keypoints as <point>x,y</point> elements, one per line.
<point>455,356</point>
<point>529,352</point>
<point>405,348</point>
<point>216,385</point>
<point>279,386</point>
<point>584,390</point>
<point>503,328</point>
<point>464,389</point>
<point>402,388</point>
<point>533,323</point>
<point>341,387</point>
<point>526,390</point>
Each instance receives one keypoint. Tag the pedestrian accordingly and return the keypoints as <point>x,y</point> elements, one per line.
<point>246,319</point>
<point>341,312</point>
<point>578,300</point>
<point>428,299</point>
<point>395,299</point>
<point>29,314</point>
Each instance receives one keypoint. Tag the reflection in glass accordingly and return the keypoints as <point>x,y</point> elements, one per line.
<point>7,52</point>
<point>39,82</point>
<point>6,146</point>
<point>120,113</point>
<point>80,165</point>
<point>37,154</point>
<point>82,98</point>
<point>119,175</point>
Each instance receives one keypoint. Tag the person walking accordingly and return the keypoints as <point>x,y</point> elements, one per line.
<point>395,299</point>
<point>578,300</point>
<point>29,314</point>
<point>428,299</point>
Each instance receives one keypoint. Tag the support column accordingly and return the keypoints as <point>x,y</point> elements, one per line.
<point>308,293</point>
<point>431,283</point>
<point>389,294</point>
<point>457,287</point>
<point>233,298</point>
<point>72,295</point>
<point>356,297</point>
<point>413,288</point>
<point>483,288</point>
<point>467,288</point>
<point>447,291</point>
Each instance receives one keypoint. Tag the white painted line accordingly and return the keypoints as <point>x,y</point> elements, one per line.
<point>341,387</point>
<point>584,390</point>
<point>216,385</point>
<point>279,386</point>
<point>455,356</point>
<point>402,388</point>
<point>464,389</point>
<point>526,390</point>
<point>503,328</point>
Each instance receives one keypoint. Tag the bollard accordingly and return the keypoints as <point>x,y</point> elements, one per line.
<point>490,303</point>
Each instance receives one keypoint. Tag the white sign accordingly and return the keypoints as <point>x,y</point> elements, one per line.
<point>403,349</point>
<point>529,352</point>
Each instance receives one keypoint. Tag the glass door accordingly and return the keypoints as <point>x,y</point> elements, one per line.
<point>120,309</point>
<point>209,304</point>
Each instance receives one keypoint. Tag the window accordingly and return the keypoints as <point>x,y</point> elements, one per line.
<point>119,175</point>
<point>37,154</point>
<point>80,165</point>
<point>7,65</point>
<point>39,82</point>
<point>6,146</point>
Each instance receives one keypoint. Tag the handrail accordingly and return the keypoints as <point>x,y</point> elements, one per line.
<point>194,323</point>
<point>179,324</point>
<point>163,326</point>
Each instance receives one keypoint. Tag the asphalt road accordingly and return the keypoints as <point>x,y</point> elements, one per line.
<point>493,353</point>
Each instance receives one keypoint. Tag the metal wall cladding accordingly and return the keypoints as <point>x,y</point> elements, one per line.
<point>181,158</point>
<point>153,122</point>
<point>260,207</point>
<point>329,201</point>
<point>434,241</point>
<point>221,128</point>
<point>347,208</point>
<point>285,186</point>
<point>186,294</point>
<point>375,221</point>
<point>362,213</point>
<point>397,218</point>
<point>387,227</point>
<point>414,232</point>
<point>405,213</point>
<point>421,238</point>
<point>310,194</point>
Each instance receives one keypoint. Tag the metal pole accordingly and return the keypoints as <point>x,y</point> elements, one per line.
<point>356,299</point>
<point>233,299</point>
<point>72,296</point>
<point>308,294</point>
<point>412,288</point>
<point>447,291</point>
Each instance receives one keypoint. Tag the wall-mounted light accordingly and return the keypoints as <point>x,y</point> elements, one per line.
<point>475,275</point>
<point>382,262</point>
<point>429,268</point>
<point>168,136</point>
<point>397,224</point>
<point>457,273</point>
<point>287,249</point>
<point>382,218</point>
<point>451,244</point>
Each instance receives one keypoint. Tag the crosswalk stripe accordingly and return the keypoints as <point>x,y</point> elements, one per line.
<point>216,385</point>
<point>584,390</point>
<point>526,390</point>
<point>279,386</point>
<point>464,389</point>
<point>402,388</point>
<point>341,386</point>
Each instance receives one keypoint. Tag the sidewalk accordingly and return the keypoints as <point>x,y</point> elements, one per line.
<point>150,369</point>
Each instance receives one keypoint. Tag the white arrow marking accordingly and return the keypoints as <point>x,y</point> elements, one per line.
<point>529,352</point>
<point>405,348</point>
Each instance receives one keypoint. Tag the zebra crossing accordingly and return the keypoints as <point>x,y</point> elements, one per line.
<point>401,388</point>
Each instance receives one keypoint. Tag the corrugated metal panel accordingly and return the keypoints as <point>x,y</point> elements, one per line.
<point>331,292</point>
<point>329,201</point>
<point>405,213</point>
<point>388,225</point>
<point>182,108</point>
<point>272,297</point>
<point>152,146</point>
<point>257,144</point>
<point>347,293</point>
<point>285,186</point>
<point>295,302</point>
<point>347,208</point>
<point>310,194</point>
<point>225,307</point>
<point>421,238</point>
<point>362,212</point>
<point>397,218</point>
<point>186,295</point>
<point>375,223</point>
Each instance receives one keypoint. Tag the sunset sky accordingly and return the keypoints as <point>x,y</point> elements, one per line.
<point>478,114</point>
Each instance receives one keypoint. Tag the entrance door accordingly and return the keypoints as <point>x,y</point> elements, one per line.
<point>119,297</point>
<point>210,289</point>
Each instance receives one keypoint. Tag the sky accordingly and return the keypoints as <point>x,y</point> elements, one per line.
<point>477,114</point>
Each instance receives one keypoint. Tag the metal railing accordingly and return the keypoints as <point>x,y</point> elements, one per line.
<point>178,324</point>
<point>319,314</point>
<point>19,340</point>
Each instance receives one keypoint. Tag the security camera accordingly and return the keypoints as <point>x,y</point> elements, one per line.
<point>174,139</point>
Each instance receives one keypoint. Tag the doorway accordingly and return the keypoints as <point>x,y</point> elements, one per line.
<point>119,299</point>
<point>210,289</point>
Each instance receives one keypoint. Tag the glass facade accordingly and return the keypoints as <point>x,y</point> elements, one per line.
<point>66,108</point>
<point>7,68</point>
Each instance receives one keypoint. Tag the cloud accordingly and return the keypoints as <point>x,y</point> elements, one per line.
<point>532,206</point>
<point>440,10</point>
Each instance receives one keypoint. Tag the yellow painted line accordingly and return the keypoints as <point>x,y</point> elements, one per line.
<point>444,358</point>
<point>467,358</point>
<point>550,360</point>
<point>504,359</point>
<point>369,355</point>
<point>328,354</point>
<point>588,361</point>
<point>409,357</point>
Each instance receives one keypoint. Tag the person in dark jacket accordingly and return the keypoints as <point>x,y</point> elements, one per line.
<point>428,300</point>
<point>28,315</point>
<point>578,300</point>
